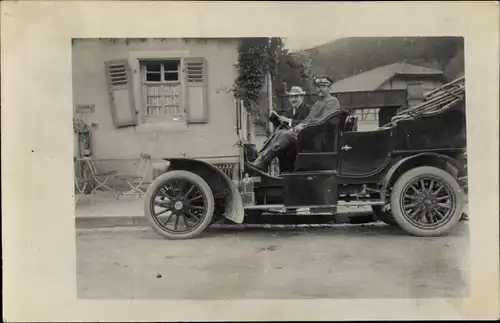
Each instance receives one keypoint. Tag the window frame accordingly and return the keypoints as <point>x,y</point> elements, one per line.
<point>144,95</point>
<point>161,124</point>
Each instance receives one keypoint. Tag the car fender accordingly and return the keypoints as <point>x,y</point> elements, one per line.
<point>234,210</point>
<point>385,183</point>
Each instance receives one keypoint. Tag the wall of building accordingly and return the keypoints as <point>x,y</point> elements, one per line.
<point>428,84</point>
<point>401,83</point>
<point>116,146</point>
<point>368,120</point>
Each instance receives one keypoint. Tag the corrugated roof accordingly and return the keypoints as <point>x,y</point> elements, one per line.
<point>373,79</point>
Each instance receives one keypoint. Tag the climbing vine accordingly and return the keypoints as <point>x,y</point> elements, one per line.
<point>256,57</point>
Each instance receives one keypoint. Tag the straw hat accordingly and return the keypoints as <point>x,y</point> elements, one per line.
<point>296,90</point>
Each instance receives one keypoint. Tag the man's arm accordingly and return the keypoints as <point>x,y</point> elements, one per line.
<point>330,108</point>
<point>283,118</point>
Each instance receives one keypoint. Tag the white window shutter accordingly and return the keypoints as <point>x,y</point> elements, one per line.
<point>121,95</point>
<point>197,93</point>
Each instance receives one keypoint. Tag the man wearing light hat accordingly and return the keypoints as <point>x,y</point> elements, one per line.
<point>299,110</point>
<point>285,140</point>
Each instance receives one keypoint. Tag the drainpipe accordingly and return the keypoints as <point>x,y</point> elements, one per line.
<point>270,97</point>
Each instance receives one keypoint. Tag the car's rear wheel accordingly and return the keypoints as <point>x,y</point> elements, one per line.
<point>426,201</point>
<point>179,205</point>
<point>384,216</point>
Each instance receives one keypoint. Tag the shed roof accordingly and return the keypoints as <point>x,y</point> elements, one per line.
<point>373,79</point>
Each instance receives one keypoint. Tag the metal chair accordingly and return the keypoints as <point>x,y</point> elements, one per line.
<point>99,179</point>
<point>81,183</point>
<point>136,181</point>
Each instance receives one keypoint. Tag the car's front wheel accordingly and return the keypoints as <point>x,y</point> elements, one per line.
<point>179,205</point>
<point>426,201</point>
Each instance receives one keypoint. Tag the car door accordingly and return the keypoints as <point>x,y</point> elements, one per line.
<point>365,153</point>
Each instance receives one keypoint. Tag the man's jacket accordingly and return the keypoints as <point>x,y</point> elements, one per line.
<point>301,112</point>
<point>322,109</point>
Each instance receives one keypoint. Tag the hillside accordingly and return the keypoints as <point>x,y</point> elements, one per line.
<point>349,56</point>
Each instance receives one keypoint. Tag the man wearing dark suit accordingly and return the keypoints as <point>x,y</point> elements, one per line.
<point>292,117</point>
<point>299,110</point>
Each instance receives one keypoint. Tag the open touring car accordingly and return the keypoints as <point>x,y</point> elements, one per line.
<point>410,172</point>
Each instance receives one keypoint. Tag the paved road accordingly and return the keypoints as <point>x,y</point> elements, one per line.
<point>347,262</point>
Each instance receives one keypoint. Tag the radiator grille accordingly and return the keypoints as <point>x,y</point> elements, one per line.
<point>227,168</point>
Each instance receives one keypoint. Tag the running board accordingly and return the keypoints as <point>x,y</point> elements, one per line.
<point>282,206</point>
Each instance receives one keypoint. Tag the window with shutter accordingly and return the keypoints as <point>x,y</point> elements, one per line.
<point>121,94</point>
<point>162,90</point>
<point>196,87</point>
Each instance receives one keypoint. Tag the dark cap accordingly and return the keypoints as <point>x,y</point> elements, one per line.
<point>323,80</point>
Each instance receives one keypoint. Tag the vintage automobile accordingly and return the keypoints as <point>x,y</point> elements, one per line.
<point>410,172</point>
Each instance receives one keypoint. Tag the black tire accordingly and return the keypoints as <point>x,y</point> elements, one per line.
<point>384,216</point>
<point>205,218</point>
<point>426,208</point>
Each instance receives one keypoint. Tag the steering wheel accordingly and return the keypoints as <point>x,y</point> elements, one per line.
<point>277,122</point>
<point>278,125</point>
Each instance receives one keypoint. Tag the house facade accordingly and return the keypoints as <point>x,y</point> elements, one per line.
<point>155,96</point>
<point>417,81</point>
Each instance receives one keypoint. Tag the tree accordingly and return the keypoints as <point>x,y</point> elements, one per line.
<point>256,58</point>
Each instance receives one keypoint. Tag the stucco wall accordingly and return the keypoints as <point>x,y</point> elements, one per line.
<point>216,138</point>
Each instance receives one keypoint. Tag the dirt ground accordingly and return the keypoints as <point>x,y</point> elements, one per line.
<point>337,262</point>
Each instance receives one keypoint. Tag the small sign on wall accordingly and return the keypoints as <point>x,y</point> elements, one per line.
<point>85,108</point>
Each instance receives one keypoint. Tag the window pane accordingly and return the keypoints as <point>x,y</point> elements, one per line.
<point>172,100</point>
<point>154,100</point>
<point>171,66</point>
<point>153,77</point>
<point>153,67</point>
<point>153,90</point>
<point>172,94</point>
<point>171,76</point>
